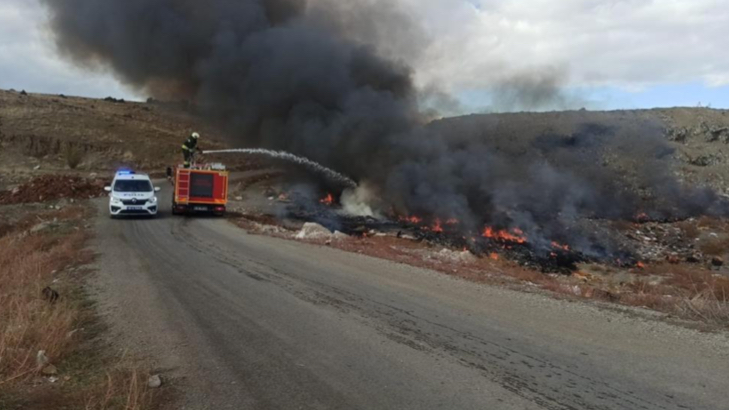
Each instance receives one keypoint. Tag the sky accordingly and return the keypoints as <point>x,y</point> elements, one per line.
<point>596,54</point>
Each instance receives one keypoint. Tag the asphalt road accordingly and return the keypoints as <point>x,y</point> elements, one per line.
<point>252,322</point>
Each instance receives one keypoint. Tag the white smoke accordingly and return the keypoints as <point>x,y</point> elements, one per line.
<point>359,201</point>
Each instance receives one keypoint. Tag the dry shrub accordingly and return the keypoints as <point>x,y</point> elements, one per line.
<point>623,225</point>
<point>707,306</point>
<point>123,388</point>
<point>5,229</point>
<point>38,146</point>
<point>73,156</point>
<point>28,323</point>
<point>699,283</point>
<point>708,222</point>
<point>689,229</point>
<point>687,291</point>
<point>715,246</point>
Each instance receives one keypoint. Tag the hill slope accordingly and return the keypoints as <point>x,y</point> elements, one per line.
<point>52,130</point>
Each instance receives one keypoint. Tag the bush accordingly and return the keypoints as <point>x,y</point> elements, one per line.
<point>73,156</point>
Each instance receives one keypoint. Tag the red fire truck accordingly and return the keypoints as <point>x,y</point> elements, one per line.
<point>200,189</point>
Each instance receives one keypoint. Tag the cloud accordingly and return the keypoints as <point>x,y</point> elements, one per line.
<point>29,61</point>
<point>463,45</point>
<point>631,44</point>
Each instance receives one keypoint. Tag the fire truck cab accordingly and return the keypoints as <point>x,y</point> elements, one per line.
<point>201,189</point>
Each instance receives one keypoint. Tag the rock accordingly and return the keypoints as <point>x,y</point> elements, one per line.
<point>50,294</point>
<point>114,100</point>
<point>154,381</point>
<point>448,255</point>
<point>41,359</point>
<point>36,168</point>
<point>695,258</point>
<point>717,261</point>
<point>41,227</point>
<point>15,191</point>
<point>93,175</point>
<point>673,259</point>
<point>49,370</point>
<point>239,198</point>
<point>53,379</point>
<point>705,160</point>
<point>313,230</point>
<point>340,236</point>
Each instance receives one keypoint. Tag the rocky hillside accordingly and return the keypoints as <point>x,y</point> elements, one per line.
<point>698,138</point>
<point>50,133</point>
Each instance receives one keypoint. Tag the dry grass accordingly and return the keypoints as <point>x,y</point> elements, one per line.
<point>29,323</point>
<point>715,246</point>
<point>689,228</point>
<point>688,292</point>
<point>124,388</point>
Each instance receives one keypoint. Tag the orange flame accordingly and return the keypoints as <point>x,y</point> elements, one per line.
<point>411,219</point>
<point>494,256</point>
<point>558,245</point>
<point>452,221</point>
<point>640,265</point>
<point>516,235</point>
<point>327,200</point>
<point>437,226</point>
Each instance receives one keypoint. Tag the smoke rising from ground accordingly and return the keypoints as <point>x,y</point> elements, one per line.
<point>534,90</point>
<point>330,80</point>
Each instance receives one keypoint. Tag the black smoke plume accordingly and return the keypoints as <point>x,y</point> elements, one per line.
<point>329,80</point>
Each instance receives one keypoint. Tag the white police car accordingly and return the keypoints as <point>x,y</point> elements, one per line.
<point>132,194</point>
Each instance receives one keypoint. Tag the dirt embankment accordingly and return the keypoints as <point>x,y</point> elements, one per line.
<point>52,188</point>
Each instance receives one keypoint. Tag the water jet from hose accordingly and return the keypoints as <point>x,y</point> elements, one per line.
<point>287,156</point>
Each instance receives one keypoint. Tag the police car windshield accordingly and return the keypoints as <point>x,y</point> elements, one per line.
<point>132,186</point>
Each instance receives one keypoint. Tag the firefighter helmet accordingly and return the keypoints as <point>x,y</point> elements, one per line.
<point>195,135</point>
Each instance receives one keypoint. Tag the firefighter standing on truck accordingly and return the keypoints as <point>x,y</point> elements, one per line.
<point>189,148</point>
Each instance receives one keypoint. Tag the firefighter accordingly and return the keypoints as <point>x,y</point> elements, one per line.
<point>189,148</point>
